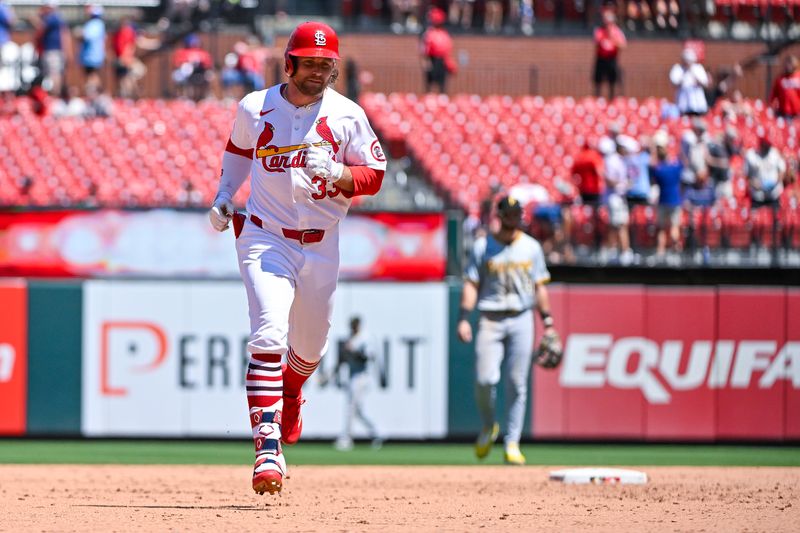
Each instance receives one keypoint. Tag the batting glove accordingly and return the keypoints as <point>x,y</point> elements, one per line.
<point>319,163</point>
<point>220,214</point>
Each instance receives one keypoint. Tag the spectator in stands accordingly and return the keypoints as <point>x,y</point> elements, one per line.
<point>723,85</point>
<point>619,216</point>
<point>766,170</point>
<point>690,80</point>
<point>667,13</point>
<point>404,16</point>
<point>721,151</point>
<point>698,188</point>
<point>637,162</point>
<point>9,54</point>
<point>461,12</point>
<point>437,52</point>
<point>785,96</point>
<point>128,68</point>
<point>665,172</point>
<point>193,69</point>
<point>609,40</point>
<point>92,55</point>
<point>53,44</point>
<point>638,15</point>
<point>521,16</point>
<point>246,68</point>
<point>493,16</point>
<point>694,152</point>
<point>587,174</point>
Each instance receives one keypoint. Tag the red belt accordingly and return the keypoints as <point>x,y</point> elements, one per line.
<point>305,236</point>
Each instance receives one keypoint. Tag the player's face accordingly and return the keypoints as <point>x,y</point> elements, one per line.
<point>510,219</point>
<point>313,74</point>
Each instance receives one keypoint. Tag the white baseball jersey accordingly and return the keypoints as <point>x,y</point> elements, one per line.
<point>282,194</point>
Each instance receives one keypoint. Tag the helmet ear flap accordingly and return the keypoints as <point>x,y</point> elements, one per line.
<point>289,65</point>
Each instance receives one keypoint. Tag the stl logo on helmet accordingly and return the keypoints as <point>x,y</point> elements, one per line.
<point>319,38</point>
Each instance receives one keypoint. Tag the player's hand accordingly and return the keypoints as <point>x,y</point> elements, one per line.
<point>464,330</point>
<point>220,213</point>
<point>320,163</point>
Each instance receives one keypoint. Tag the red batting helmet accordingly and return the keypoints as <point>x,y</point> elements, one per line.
<point>311,39</point>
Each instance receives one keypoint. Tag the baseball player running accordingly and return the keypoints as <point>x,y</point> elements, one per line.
<point>308,151</point>
<point>505,277</point>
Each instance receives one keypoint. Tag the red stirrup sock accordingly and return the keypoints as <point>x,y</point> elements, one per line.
<point>296,372</point>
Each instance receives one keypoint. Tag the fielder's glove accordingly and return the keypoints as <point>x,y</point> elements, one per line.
<point>220,213</point>
<point>320,163</point>
<point>549,353</point>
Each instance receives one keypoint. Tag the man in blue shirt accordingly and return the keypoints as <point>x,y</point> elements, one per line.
<point>666,173</point>
<point>93,48</point>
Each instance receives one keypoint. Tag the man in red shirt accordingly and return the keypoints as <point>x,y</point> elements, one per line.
<point>785,97</point>
<point>587,175</point>
<point>437,52</point>
<point>609,40</point>
<point>587,172</point>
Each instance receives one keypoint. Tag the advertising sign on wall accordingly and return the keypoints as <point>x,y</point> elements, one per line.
<point>672,363</point>
<point>169,359</point>
<point>172,244</point>
<point>13,356</point>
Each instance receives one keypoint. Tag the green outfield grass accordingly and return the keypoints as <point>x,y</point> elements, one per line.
<point>14,451</point>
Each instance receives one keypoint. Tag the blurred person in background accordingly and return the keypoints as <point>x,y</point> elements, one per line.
<point>690,80</point>
<point>356,354</point>
<point>404,16</point>
<point>665,172</point>
<point>193,69</point>
<point>92,54</point>
<point>609,40</point>
<point>785,95</point>
<point>53,44</point>
<point>520,16</point>
<point>436,48</point>
<point>694,152</point>
<point>245,67</point>
<point>461,12</point>
<point>638,15</point>
<point>637,162</point>
<point>492,16</point>
<point>766,170</point>
<point>504,280</point>
<point>667,13</point>
<point>721,151</point>
<point>722,85</point>
<point>587,175</point>
<point>128,68</point>
<point>617,185</point>
<point>9,55</point>
<point>698,188</point>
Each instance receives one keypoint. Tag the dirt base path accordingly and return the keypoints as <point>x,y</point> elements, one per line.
<point>219,499</point>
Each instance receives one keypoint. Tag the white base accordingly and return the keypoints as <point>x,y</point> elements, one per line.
<point>599,476</point>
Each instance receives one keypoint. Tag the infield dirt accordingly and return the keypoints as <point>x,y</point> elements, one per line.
<point>370,498</point>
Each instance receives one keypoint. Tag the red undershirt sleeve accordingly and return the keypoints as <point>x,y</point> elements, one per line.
<point>366,180</point>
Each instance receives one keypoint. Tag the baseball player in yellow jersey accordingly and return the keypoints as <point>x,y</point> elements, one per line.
<point>308,151</point>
